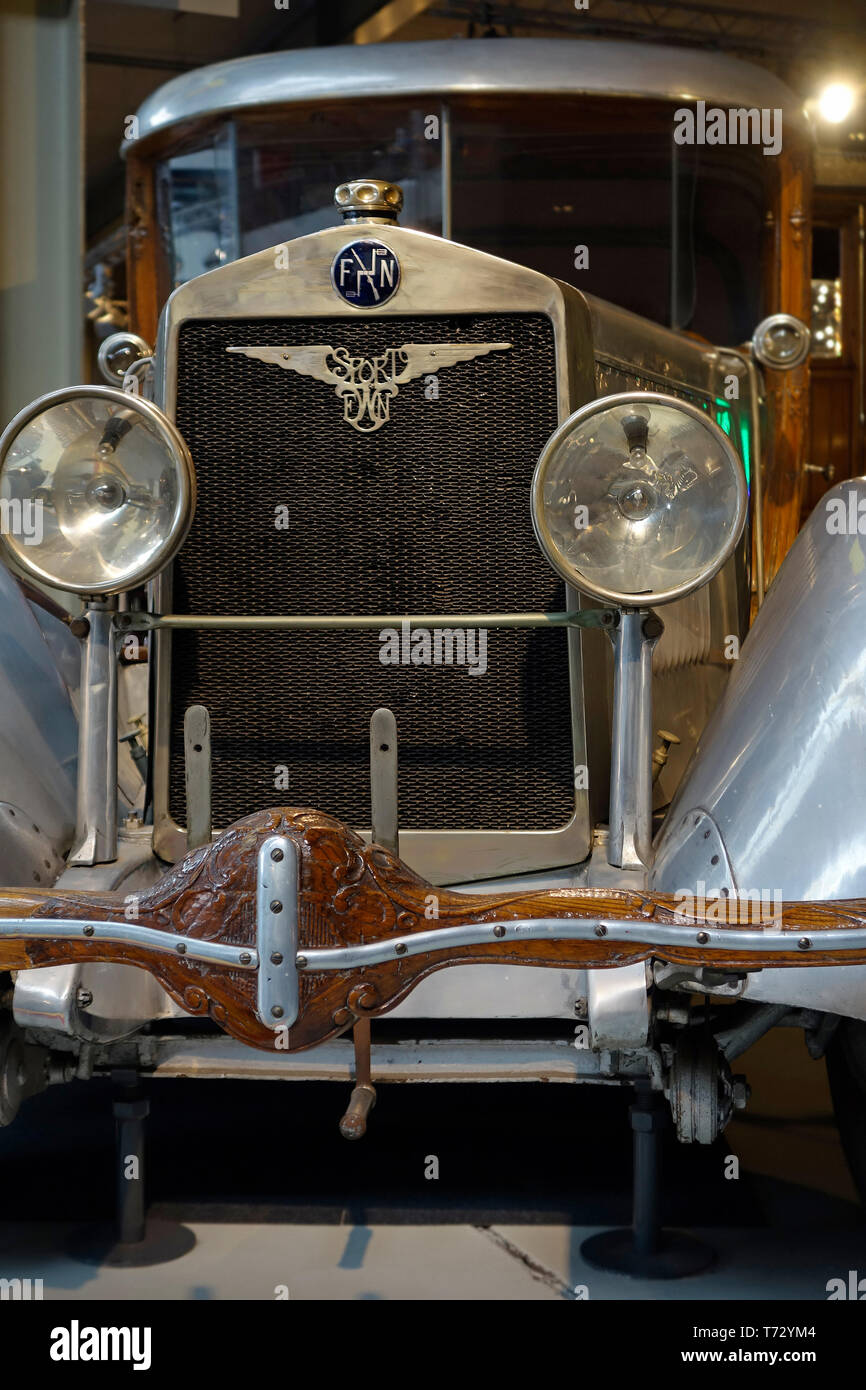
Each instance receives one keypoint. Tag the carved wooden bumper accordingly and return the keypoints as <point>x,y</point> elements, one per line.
<point>365,929</point>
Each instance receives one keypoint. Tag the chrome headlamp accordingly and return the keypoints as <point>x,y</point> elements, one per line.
<point>97,490</point>
<point>638,499</point>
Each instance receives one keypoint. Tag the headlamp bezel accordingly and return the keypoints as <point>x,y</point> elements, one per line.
<point>569,573</point>
<point>184,509</point>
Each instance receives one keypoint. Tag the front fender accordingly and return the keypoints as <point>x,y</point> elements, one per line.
<point>775,797</point>
<point>38,744</point>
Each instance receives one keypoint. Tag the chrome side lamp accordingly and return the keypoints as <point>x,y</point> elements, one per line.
<point>781,342</point>
<point>97,490</point>
<point>637,500</point>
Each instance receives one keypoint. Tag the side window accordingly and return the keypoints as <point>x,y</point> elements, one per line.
<point>826,292</point>
<point>197,198</point>
<point>836,395</point>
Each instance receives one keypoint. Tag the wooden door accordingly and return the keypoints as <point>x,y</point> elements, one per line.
<point>836,435</point>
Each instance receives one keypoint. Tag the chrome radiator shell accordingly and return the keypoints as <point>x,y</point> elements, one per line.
<point>437,278</point>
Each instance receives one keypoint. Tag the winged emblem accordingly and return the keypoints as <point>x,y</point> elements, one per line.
<point>367,385</point>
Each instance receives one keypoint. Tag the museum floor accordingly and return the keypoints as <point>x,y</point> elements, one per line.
<point>278,1202</point>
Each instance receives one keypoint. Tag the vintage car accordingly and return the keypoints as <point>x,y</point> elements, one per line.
<point>447,512</point>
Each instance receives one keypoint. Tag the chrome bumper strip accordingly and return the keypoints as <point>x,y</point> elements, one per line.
<point>277,926</point>
<point>761,940</point>
<point>126,934</point>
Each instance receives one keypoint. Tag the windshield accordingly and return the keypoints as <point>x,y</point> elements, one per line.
<point>258,183</point>
<point>594,192</point>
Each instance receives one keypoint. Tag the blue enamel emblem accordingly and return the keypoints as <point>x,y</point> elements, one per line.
<point>365,273</point>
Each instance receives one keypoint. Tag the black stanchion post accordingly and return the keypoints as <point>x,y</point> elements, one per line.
<point>131,1110</point>
<point>133,1240</point>
<point>647,1117</point>
<point>645,1250</point>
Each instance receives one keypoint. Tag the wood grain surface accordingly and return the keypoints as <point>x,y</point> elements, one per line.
<point>350,894</point>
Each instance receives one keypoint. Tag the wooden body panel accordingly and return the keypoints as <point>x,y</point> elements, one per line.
<point>788,270</point>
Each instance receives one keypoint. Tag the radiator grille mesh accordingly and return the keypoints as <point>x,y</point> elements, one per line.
<point>428,514</point>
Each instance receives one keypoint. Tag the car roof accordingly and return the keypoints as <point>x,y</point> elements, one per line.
<point>443,68</point>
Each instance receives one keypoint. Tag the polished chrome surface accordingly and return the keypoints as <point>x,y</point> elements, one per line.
<point>27,855</point>
<point>384,824</point>
<point>138,379</point>
<point>127,934</point>
<point>467,67</point>
<point>369,200</point>
<point>277,931</point>
<point>91,1000</point>
<point>779,769</point>
<point>96,819</point>
<point>172,442</point>
<point>367,385</point>
<point>823,987</point>
<point>689,669</point>
<point>781,342</point>
<point>130,347</point>
<point>638,931</point>
<point>580,446</point>
<point>630,834</point>
<point>618,1007</point>
<point>197,776</point>
<point>438,277</point>
<point>675,854</point>
<point>251,622</point>
<point>503,991</point>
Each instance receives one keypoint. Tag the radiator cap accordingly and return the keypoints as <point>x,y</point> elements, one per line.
<point>374,200</point>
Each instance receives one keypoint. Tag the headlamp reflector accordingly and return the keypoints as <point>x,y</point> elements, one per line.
<point>97,490</point>
<point>638,498</point>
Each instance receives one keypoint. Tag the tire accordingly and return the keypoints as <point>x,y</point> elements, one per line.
<point>846,1070</point>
